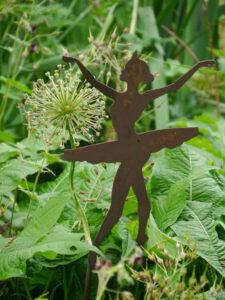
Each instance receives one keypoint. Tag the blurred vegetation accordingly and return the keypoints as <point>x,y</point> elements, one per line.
<point>43,253</point>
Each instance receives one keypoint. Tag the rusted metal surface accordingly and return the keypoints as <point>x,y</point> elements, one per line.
<point>132,150</point>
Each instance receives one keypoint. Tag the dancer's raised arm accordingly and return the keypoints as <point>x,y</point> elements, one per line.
<point>106,90</point>
<point>153,94</point>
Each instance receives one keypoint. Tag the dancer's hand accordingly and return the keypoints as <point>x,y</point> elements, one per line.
<point>207,63</point>
<point>70,59</point>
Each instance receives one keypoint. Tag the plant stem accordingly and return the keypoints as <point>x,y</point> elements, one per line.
<point>217,91</point>
<point>75,200</point>
<point>65,284</point>
<point>14,203</point>
<point>29,297</point>
<point>134,17</point>
<point>102,283</point>
<point>35,186</point>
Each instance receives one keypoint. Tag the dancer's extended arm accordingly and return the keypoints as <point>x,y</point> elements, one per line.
<point>153,94</point>
<point>106,90</point>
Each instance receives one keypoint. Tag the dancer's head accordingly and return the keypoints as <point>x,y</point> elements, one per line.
<point>136,71</point>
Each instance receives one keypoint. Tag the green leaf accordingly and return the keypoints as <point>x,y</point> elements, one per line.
<point>211,142</point>
<point>45,217</point>
<point>168,208</point>
<point>95,182</point>
<point>92,185</point>
<point>127,241</point>
<point>13,258</point>
<point>31,146</point>
<point>199,224</point>
<point>7,151</point>
<point>133,228</point>
<point>7,136</point>
<point>40,237</point>
<point>181,174</point>
<point>91,182</point>
<point>158,238</point>
<point>16,84</point>
<point>12,172</point>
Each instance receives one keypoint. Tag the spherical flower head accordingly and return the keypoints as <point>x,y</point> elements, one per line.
<point>64,104</point>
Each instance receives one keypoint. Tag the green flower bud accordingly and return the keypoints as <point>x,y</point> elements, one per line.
<point>183,271</point>
<point>192,281</point>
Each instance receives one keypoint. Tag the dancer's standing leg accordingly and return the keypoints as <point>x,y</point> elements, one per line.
<point>144,206</point>
<point>120,190</point>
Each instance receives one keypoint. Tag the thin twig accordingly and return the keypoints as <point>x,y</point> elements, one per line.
<point>173,34</point>
<point>217,91</point>
<point>192,54</point>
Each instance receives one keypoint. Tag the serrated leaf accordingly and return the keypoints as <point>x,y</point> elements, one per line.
<point>199,224</point>
<point>168,208</point>
<point>178,174</point>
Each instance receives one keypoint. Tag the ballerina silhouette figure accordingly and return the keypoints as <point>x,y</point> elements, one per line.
<point>131,149</point>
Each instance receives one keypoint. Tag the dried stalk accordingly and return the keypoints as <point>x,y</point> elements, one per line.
<point>217,91</point>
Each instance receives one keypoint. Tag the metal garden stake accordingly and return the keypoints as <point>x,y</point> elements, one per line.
<point>132,150</point>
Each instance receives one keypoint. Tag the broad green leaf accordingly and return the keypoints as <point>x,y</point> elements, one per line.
<point>32,147</point>
<point>92,185</point>
<point>168,208</point>
<point>7,136</point>
<point>209,296</point>
<point>209,187</point>
<point>13,258</point>
<point>53,158</point>
<point>95,182</point>
<point>12,172</point>
<point>7,151</point>
<point>133,228</point>
<point>127,241</point>
<point>130,206</point>
<point>199,224</point>
<point>211,142</point>
<point>40,237</point>
<point>29,147</point>
<point>45,217</point>
<point>3,241</point>
<point>178,174</point>
<point>158,238</point>
<point>61,183</point>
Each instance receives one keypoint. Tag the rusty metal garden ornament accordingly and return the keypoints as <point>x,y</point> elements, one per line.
<point>132,150</point>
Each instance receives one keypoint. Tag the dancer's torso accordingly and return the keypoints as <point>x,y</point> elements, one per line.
<point>124,112</point>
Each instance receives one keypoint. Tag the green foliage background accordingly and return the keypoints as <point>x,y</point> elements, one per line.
<point>43,254</point>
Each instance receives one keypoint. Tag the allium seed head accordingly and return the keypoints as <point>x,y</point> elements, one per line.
<point>62,103</point>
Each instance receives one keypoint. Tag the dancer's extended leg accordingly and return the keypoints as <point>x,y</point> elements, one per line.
<point>103,152</point>
<point>144,206</point>
<point>120,190</point>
